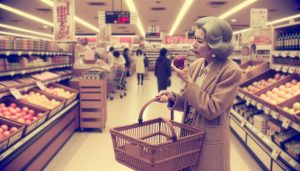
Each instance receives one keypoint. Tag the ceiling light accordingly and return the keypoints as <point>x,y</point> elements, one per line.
<point>26,15</point>
<point>44,26</point>
<point>237,8</point>
<point>284,19</point>
<point>185,7</point>
<point>233,20</point>
<point>23,35</point>
<point>139,24</point>
<point>77,19</point>
<point>25,30</point>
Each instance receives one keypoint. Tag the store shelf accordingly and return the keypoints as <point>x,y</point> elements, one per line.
<point>35,132</point>
<point>25,88</point>
<point>291,53</point>
<point>31,70</point>
<point>264,143</point>
<point>270,112</point>
<point>22,52</point>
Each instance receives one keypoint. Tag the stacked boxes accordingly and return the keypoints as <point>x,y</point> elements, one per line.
<point>260,123</point>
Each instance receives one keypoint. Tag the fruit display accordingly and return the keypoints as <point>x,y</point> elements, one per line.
<point>261,84</point>
<point>248,68</point>
<point>59,92</point>
<point>294,109</point>
<point>281,93</point>
<point>42,100</point>
<point>178,61</point>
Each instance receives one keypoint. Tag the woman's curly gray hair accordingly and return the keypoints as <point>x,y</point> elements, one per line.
<point>218,35</point>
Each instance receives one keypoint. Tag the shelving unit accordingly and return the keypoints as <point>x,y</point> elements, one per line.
<point>22,52</point>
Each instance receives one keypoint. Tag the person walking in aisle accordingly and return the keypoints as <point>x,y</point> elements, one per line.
<point>127,61</point>
<point>211,84</point>
<point>118,61</point>
<point>163,70</point>
<point>110,57</point>
<point>140,66</point>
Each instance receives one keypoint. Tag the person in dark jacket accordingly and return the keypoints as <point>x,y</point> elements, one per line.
<point>163,70</point>
<point>127,60</point>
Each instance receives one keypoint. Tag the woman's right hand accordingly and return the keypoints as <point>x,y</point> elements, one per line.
<point>164,95</point>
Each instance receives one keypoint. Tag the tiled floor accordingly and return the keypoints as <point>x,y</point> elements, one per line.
<point>93,151</point>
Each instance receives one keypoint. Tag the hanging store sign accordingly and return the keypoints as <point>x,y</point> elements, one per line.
<point>258,18</point>
<point>117,17</point>
<point>63,18</point>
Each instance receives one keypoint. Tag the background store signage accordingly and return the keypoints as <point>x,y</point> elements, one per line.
<point>117,17</point>
<point>258,18</point>
<point>177,40</point>
<point>63,18</point>
<point>261,36</point>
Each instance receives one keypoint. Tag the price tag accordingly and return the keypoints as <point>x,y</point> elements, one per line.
<point>274,114</point>
<point>19,53</point>
<point>267,110</point>
<point>12,73</point>
<point>41,85</point>
<point>30,53</point>
<point>7,53</point>
<point>243,122</point>
<point>259,106</point>
<point>242,96</point>
<point>285,69</point>
<point>275,153</point>
<point>15,92</point>
<point>26,89</point>
<point>285,54</point>
<point>253,102</point>
<point>23,72</point>
<point>293,54</point>
<point>277,68</point>
<point>286,123</point>
<point>38,53</point>
<point>291,70</point>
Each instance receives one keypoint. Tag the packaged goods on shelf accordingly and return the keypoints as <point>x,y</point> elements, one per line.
<point>260,123</point>
<point>293,148</point>
<point>12,132</point>
<point>23,113</point>
<point>273,127</point>
<point>285,136</point>
<point>60,59</point>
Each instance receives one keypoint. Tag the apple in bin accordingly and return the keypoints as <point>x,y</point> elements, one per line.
<point>179,61</point>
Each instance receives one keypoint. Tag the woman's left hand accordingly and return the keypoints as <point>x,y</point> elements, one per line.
<point>183,74</point>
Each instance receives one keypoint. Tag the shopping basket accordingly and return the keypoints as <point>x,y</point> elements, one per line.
<point>157,144</point>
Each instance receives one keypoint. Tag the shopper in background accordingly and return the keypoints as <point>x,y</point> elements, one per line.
<point>140,66</point>
<point>127,60</point>
<point>118,62</point>
<point>212,83</point>
<point>110,56</point>
<point>163,70</point>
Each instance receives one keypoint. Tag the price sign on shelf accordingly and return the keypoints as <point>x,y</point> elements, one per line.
<point>267,110</point>
<point>259,106</point>
<point>285,69</point>
<point>253,102</point>
<point>275,153</point>
<point>19,53</point>
<point>243,122</point>
<point>274,114</point>
<point>16,93</point>
<point>292,70</point>
<point>286,123</point>
<point>293,54</point>
<point>41,85</point>
<point>277,68</point>
<point>285,54</point>
<point>7,53</point>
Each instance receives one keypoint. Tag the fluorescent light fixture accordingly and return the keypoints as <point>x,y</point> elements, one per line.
<point>233,20</point>
<point>25,30</point>
<point>185,7</point>
<point>26,15</point>
<point>77,19</point>
<point>23,35</point>
<point>284,19</point>
<point>237,8</point>
<point>139,24</point>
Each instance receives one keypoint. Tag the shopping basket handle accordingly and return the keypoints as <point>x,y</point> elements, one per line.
<point>174,137</point>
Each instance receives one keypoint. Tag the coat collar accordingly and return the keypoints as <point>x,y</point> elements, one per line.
<point>214,69</point>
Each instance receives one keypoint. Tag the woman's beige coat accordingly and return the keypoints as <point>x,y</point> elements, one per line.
<point>212,102</point>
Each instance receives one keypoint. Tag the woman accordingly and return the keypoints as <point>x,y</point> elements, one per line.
<point>118,62</point>
<point>127,61</point>
<point>212,83</point>
<point>162,70</point>
<point>140,66</point>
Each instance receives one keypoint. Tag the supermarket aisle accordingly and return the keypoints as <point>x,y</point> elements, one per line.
<point>93,150</point>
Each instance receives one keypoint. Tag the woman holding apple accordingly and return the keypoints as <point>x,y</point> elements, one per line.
<point>211,84</point>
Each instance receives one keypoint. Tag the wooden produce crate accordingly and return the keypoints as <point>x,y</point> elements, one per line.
<point>258,68</point>
<point>93,104</point>
<point>53,111</point>
<point>268,76</point>
<point>68,100</point>
<point>28,126</point>
<point>13,137</point>
<point>289,103</point>
<point>278,84</point>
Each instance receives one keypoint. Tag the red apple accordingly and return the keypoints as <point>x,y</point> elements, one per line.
<point>2,105</point>
<point>27,122</point>
<point>34,118</point>
<point>294,82</point>
<point>13,117</point>
<point>179,61</point>
<point>31,112</point>
<point>1,131</point>
<point>6,133</point>
<point>18,109</point>
<point>13,105</point>
<point>4,127</point>
<point>40,115</point>
<point>21,120</point>
<point>25,109</point>
<point>13,129</point>
<point>27,117</point>
<point>277,76</point>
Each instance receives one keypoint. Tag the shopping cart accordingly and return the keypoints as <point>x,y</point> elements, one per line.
<point>117,82</point>
<point>157,145</point>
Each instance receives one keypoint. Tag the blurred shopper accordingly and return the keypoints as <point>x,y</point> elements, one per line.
<point>163,70</point>
<point>127,60</point>
<point>140,66</point>
<point>110,56</point>
<point>212,83</point>
<point>118,61</point>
